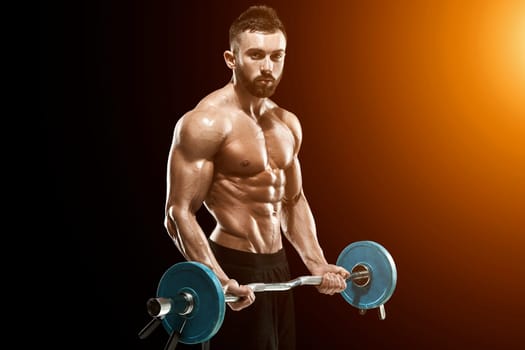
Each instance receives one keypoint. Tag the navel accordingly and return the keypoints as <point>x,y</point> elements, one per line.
<point>245,163</point>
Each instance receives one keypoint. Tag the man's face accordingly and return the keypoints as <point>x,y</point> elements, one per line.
<point>260,61</point>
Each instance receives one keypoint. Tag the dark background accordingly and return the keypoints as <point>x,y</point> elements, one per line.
<point>414,134</point>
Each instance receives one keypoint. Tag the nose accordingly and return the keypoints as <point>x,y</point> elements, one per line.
<point>266,65</point>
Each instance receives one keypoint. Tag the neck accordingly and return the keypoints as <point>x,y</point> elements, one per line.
<point>251,105</point>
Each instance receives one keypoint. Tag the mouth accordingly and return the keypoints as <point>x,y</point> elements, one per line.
<point>266,81</point>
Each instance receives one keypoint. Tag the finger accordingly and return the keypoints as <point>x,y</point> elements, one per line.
<point>344,273</point>
<point>329,283</point>
<point>243,302</point>
<point>335,283</point>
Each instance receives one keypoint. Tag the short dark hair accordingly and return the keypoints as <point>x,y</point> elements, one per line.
<point>257,18</point>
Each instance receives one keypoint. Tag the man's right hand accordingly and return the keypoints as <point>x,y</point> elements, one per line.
<point>245,293</point>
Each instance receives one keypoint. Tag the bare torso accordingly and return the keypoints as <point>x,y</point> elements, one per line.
<point>242,163</point>
<point>249,177</point>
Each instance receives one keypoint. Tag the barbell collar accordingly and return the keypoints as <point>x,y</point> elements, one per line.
<point>181,304</point>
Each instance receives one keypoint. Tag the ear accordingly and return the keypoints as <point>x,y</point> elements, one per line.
<point>229,58</point>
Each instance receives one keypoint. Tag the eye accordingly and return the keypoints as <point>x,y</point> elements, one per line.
<point>256,56</point>
<point>277,56</point>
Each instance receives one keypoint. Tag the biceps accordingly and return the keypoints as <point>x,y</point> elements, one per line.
<point>188,182</point>
<point>294,182</point>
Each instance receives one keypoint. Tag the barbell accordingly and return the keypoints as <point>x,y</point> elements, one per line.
<point>190,301</point>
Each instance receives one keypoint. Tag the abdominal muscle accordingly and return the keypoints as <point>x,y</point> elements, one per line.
<point>248,211</point>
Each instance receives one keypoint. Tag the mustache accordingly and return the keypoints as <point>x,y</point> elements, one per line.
<point>265,77</point>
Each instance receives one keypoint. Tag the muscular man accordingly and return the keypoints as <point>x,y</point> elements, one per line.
<point>236,152</point>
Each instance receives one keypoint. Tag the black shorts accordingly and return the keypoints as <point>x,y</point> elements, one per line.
<point>267,324</point>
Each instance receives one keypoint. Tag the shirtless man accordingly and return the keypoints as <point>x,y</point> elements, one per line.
<point>236,152</point>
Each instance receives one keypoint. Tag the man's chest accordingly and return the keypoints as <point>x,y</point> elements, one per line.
<point>252,147</point>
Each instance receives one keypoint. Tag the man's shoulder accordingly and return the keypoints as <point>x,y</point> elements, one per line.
<point>280,112</point>
<point>286,116</point>
<point>289,118</point>
<point>204,118</point>
<point>207,120</point>
<point>198,131</point>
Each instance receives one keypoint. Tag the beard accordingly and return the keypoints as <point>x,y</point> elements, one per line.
<point>258,87</point>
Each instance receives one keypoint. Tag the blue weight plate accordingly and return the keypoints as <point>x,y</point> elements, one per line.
<point>209,304</point>
<point>383,274</point>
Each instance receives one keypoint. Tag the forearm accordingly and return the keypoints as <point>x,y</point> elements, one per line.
<point>299,228</point>
<point>191,241</point>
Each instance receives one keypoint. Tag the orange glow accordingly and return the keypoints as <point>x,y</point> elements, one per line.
<point>414,135</point>
<point>502,49</point>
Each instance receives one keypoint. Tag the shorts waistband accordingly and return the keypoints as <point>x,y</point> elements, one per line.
<point>248,259</point>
